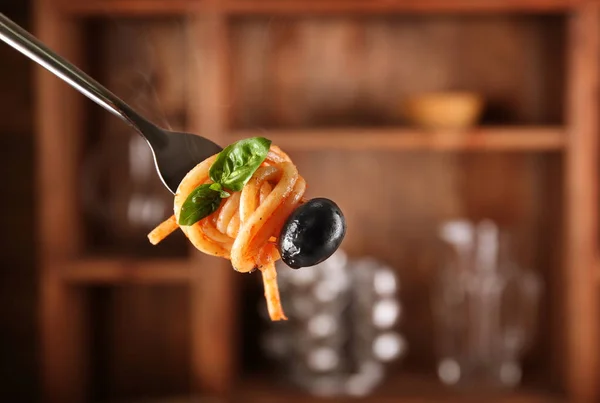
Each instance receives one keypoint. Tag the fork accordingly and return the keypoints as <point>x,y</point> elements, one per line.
<point>175,153</point>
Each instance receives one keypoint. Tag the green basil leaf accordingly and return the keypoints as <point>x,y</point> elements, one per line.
<point>200,203</point>
<point>236,164</point>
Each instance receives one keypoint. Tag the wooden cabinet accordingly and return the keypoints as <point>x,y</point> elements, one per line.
<point>323,80</point>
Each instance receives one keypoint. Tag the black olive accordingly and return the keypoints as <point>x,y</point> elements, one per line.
<point>312,233</point>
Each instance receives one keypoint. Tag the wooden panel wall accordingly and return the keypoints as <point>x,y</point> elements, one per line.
<point>342,71</point>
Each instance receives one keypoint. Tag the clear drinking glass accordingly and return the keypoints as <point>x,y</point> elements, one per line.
<point>485,308</point>
<point>342,325</point>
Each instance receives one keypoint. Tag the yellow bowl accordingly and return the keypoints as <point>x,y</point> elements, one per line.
<point>443,110</point>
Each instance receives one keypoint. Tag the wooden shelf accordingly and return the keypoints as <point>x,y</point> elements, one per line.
<point>272,58</point>
<point>400,389</point>
<point>481,139</point>
<point>309,7</point>
<point>128,271</point>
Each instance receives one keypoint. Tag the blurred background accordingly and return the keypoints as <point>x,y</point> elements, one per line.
<point>458,137</point>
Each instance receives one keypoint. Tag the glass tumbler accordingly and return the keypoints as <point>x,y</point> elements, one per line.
<point>485,309</point>
<point>341,328</point>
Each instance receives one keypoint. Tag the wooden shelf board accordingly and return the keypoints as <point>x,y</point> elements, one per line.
<point>297,7</point>
<point>128,271</point>
<point>480,139</point>
<point>398,389</point>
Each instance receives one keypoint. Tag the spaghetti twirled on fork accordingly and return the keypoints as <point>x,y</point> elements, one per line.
<point>245,227</point>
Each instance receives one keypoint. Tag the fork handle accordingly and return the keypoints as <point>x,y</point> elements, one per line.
<point>30,46</point>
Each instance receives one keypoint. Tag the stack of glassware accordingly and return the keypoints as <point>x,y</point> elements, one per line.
<point>485,308</point>
<point>342,324</point>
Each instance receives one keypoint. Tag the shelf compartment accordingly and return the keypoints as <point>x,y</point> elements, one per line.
<point>283,74</point>
<point>397,389</point>
<point>480,139</point>
<point>139,342</point>
<point>122,199</point>
<point>128,271</point>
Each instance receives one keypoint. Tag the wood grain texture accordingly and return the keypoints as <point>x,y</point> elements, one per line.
<point>298,73</point>
<point>59,117</point>
<point>582,205</point>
